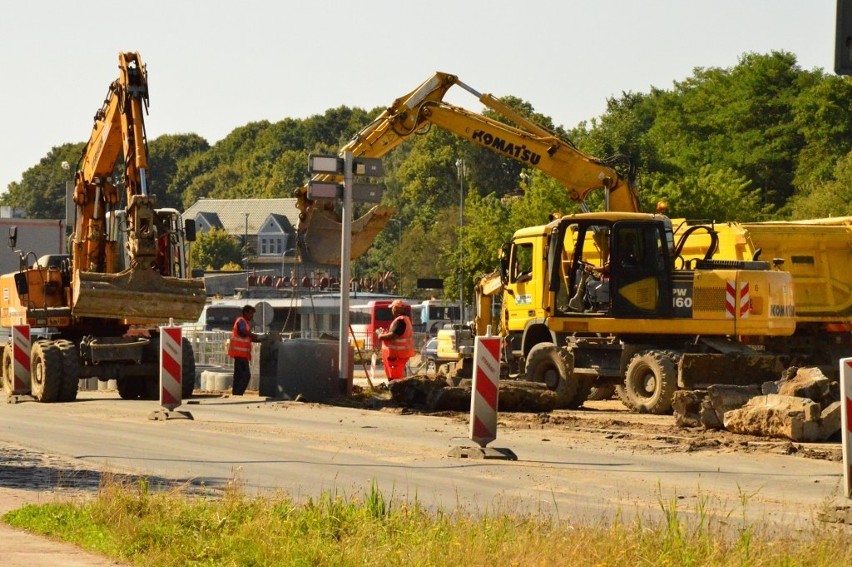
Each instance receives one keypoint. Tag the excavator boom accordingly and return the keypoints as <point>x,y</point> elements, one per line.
<point>145,291</point>
<point>527,142</point>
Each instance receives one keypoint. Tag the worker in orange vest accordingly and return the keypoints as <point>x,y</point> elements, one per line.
<point>239,348</point>
<point>397,342</point>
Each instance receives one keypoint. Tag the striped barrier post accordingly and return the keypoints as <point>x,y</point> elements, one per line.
<point>21,348</point>
<point>483,402</point>
<point>171,357</point>
<point>486,384</point>
<point>846,421</point>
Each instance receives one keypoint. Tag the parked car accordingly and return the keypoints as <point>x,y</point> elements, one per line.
<point>429,352</point>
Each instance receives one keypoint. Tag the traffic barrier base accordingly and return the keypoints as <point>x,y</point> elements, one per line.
<point>483,453</point>
<point>164,414</point>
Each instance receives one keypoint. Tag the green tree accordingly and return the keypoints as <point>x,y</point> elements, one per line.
<point>827,198</point>
<point>214,249</point>
<point>164,155</point>
<point>41,191</point>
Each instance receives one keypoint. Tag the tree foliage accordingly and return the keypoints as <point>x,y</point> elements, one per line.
<point>215,248</point>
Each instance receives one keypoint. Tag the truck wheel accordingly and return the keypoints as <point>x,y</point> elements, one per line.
<point>8,371</point>
<point>187,375</point>
<point>651,381</point>
<point>546,364</point>
<point>46,378</point>
<point>70,370</point>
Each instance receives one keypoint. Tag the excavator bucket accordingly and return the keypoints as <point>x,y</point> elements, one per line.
<point>322,238</point>
<point>137,295</point>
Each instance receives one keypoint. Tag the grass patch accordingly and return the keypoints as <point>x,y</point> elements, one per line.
<point>133,523</point>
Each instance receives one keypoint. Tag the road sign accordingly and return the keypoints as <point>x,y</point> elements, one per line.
<point>366,193</point>
<point>324,190</point>
<point>368,167</point>
<point>430,283</point>
<point>325,164</point>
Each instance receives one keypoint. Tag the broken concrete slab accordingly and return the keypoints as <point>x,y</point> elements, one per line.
<point>808,383</point>
<point>797,419</point>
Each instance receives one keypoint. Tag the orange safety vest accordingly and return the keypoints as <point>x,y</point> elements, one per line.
<point>239,347</point>
<point>400,347</point>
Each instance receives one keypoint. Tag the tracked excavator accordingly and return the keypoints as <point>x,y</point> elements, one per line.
<point>527,142</point>
<point>126,273</point>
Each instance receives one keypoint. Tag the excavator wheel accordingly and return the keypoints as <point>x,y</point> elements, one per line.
<point>650,381</point>
<point>131,388</point>
<point>70,370</point>
<point>46,365</point>
<point>8,371</point>
<point>584,392</point>
<point>622,394</point>
<point>547,363</point>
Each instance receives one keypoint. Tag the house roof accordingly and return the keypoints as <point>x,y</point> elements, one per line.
<point>212,219</point>
<point>232,212</point>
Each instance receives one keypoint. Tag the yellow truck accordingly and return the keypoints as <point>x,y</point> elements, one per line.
<point>817,254</point>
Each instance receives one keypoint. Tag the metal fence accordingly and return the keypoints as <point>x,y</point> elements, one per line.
<point>211,349</point>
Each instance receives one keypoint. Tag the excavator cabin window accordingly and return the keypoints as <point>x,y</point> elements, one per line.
<point>522,263</point>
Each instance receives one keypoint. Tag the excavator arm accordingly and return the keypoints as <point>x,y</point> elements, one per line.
<point>526,142</point>
<point>141,292</point>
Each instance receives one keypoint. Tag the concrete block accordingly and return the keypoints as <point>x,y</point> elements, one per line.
<point>305,367</point>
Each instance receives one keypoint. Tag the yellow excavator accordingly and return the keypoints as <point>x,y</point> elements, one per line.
<point>527,142</point>
<point>98,307</point>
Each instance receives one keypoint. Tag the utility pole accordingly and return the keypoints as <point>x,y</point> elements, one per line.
<point>461,171</point>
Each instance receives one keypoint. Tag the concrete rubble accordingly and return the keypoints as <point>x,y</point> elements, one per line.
<point>803,405</point>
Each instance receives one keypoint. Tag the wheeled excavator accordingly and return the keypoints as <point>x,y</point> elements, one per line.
<point>126,272</point>
<point>659,326</point>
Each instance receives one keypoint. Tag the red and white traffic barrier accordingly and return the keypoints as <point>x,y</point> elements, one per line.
<point>171,362</point>
<point>846,421</point>
<point>21,347</point>
<point>486,385</point>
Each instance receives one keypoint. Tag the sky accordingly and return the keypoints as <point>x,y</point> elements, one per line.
<point>214,65</point>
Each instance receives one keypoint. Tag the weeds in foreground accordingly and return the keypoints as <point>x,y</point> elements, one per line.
<point>136,524</point>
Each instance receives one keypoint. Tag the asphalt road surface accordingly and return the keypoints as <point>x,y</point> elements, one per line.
<point>306,449</point>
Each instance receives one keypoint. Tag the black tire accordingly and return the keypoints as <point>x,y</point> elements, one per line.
<point>602,392</point>
<point>46,372</point>
<point>8,371</point>
<point>131,388</point>
<point>151,388</point>
<point>650,381</point>
<point>584,390</point>
<point>622,394</point>
<point>187,377</point>
<point>70,370</point>
<point>554,367</point>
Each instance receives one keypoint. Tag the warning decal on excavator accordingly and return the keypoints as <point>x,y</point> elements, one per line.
<point>682,299</point>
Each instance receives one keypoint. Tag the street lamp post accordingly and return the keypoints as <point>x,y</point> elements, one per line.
<point>69,217</point>
<point>284,255</point>
<point>461,172</point>
<point>245,243</point>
